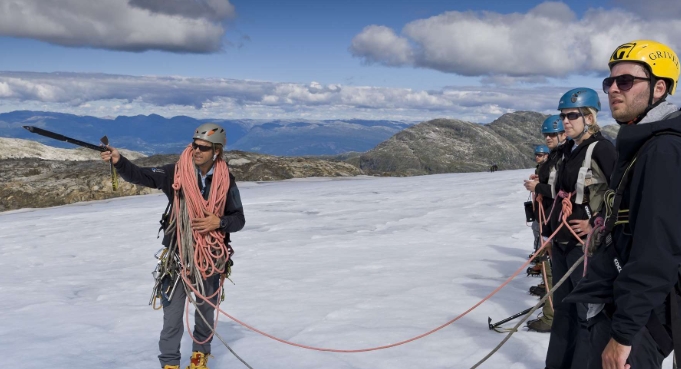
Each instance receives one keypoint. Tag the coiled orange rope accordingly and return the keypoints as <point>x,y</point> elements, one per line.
<point>202,254</point>
<point>209,246</point>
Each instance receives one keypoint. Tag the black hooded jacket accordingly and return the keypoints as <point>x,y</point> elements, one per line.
<point>162,178</point>
<point>544,187</point>
<point>604,155</point>
<point>649,246</point>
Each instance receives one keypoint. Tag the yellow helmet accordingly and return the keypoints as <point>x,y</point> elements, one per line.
<point>661,60</point>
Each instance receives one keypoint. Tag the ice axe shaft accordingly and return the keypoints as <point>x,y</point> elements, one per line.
<point>60,137</point>
<point>114,175</point>
<point>515,316</point>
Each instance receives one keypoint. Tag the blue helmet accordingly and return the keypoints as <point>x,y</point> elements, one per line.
<point>580,98</point>
<point>541,149</point>
<point>552,124</point>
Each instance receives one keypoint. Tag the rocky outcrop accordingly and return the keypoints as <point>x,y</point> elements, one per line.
<point>259,167</point>
<point>16,148</point>
<point>610,131</point>
<point>450,145</point>
<point>34,183</point>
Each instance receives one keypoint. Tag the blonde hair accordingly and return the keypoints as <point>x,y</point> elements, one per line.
<point>593,128</point>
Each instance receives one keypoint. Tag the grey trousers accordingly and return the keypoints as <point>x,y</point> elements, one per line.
<point>537,235</point>
<point>173,325</point>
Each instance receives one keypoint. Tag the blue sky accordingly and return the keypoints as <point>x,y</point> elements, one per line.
<point>300,55</point>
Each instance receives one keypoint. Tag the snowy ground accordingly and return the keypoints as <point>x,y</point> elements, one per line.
<point>346,264</point>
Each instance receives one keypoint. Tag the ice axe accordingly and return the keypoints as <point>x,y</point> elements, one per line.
<point>59,137</point>
<point>495,326</point>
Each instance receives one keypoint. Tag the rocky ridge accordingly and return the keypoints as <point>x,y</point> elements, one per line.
<point>451,145</point>
<point>33,182</point>
<point>610,131</point>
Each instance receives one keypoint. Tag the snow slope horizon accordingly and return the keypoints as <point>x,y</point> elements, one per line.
<point>345,263</point>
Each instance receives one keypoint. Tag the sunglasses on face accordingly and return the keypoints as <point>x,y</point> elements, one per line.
<point>552,135</point>
<point>201,147</point>
<point>570,116</point>
<point>624,82</point>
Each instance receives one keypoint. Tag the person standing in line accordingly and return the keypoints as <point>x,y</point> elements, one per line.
<point>201,172</point>
<point>581,183</point>
<point>541,153</point>
<point>632,280</point>
<point>543,183</point>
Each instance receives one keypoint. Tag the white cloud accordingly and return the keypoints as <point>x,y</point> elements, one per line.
<point>547,41</point>
<point>217,10</point>
<point>376,43</point>
<point>193,26</point>
<point>5,91</point>
<point>111,95</point>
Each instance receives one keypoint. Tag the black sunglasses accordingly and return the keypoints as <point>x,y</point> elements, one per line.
<point>570,116</point>
<point>624,82</point>
<point>554,134</point>
<point>201,147</point>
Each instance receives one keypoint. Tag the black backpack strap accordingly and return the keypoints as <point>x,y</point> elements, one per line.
<point>664,342</point>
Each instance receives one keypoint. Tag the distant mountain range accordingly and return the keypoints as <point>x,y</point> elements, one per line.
<point>154,134</point>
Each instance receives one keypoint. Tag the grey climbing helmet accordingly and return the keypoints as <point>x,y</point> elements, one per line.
<point>212,133</point>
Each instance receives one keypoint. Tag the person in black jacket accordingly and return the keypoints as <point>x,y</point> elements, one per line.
<point>582,179</point>
<point>207,149</point>
<point>631,276</point>
<point>541,154</point>
<point>543,183</point>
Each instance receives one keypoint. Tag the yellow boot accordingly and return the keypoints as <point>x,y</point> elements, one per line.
<point>198,360</point>
<point>171,367</point>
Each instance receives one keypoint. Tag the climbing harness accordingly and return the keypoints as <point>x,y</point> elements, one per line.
<point>586,176</point>
<point>166,276</point>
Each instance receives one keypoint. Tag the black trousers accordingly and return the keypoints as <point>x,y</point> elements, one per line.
<point>569,342</point>
<point>644,350</point>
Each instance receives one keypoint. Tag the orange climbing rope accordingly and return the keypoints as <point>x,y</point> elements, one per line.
<point>566,212</point>
<point>208,246</point>
<point>199,251</point>
<point>540,210</point>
